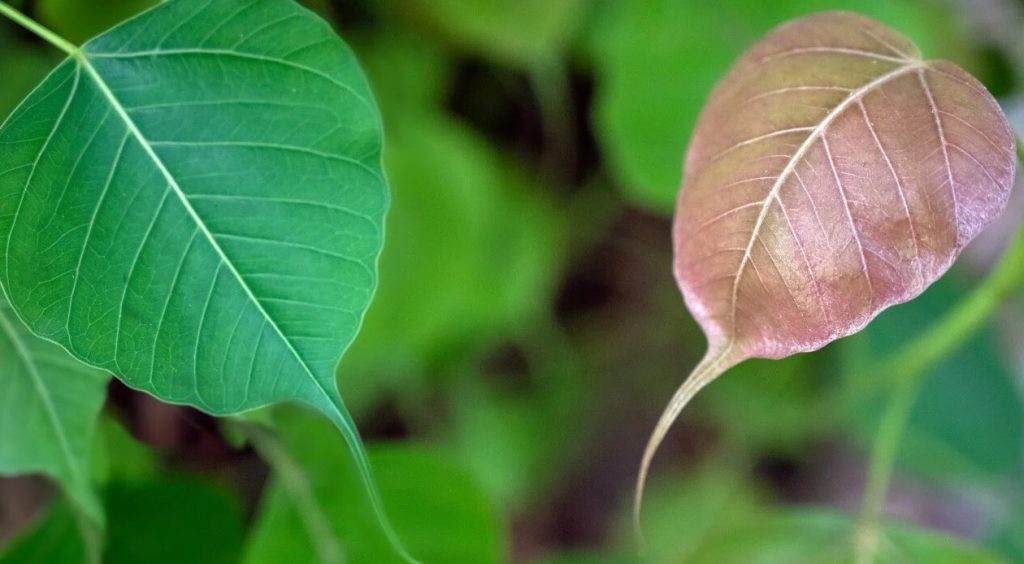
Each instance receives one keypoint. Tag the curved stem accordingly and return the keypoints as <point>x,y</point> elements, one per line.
<point>910,365</point>
<point>715,362</point>
<point>38,29</point>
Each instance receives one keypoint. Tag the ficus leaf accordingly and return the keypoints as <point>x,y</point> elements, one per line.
<point>832,174</point>
<point>48,411</point>
<point>194,202</point>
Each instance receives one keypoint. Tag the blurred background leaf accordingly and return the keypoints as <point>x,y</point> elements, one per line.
<point>523,33</point>
<point>437,509</point>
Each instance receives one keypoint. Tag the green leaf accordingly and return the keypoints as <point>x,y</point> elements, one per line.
<point>493,267</point>
<point>309,514</point>
<point>194,201</point>
<point>683,512</point>
<point>955,432</point>
<point>120,457</point>
<point>519,33</point>
<point>53,539</point>
<point>48,411</point>
<point>657,60</point>
<point>772,405</point>
<point>168,520</point>
<point>173,520</point>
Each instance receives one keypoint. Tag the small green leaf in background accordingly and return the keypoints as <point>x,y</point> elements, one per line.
<point>54,539</point>
<point>156,521</point>
<point>774,406</point>
<point>657,60</point>
<point>175,520</point>
<point>120,458</point>
<point>683,511</point>
<point>49,403</point>
<point>959,429</point>
<point>518,441</point>
<point>521,33</point>
<point>489,271</point>
<point>436,506</point>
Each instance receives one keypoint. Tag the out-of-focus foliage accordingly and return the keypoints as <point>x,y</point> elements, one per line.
<point>173,520</point>
<point>523,32</point>
<point>310,514</point>
<point>490,269</point>
<point>967,423</point>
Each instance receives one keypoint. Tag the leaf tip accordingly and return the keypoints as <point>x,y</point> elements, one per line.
<point>715,362</point>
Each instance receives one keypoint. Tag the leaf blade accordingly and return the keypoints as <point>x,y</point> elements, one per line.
<point>758,268</point>
<point>201,155</point>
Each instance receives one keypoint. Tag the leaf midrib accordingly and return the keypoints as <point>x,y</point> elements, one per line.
<point>82,59</point>
<point>790,167</point>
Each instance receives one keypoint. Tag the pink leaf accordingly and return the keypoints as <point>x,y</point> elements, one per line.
<point>833,173</point>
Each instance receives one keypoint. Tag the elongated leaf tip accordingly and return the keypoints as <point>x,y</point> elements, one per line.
<point>715,362</point>
<point>342,419</point>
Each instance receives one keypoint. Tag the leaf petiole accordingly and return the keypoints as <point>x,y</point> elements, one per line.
<point>38,29</point>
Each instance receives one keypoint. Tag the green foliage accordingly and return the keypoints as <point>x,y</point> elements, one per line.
<point>772,405</point>
<point>161,520</point>
<point>54,540</point>
<point>491,270</point>
<point>523,32</point>
<point>309,513</point>
<point>819,536</point>
<point>48,411</point>
<point>173,520</point>
<point>956,432</point>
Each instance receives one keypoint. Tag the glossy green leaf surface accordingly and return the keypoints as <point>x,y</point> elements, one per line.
<point>309,514</point>
<point>49,403</point>
<point>194,201</point>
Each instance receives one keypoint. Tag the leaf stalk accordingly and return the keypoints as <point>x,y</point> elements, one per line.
<point>35,27</point>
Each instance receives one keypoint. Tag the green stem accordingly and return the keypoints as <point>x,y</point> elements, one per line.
<point>911,364</point>
<point>36,28</point>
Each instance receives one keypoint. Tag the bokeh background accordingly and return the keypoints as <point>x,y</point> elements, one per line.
<point>527,331</point>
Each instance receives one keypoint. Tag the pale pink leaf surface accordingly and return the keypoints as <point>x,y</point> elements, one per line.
<point>833,173</point>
